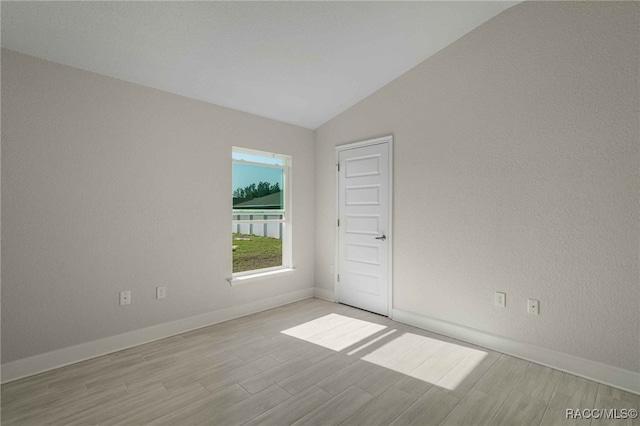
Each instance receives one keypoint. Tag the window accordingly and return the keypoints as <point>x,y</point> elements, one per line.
<point>261,217</point>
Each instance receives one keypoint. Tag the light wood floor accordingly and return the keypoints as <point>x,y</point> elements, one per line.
<point>308,363</point>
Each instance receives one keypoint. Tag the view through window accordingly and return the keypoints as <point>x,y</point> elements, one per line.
<point>259,217</point>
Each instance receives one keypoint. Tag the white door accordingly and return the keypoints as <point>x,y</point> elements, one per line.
<point>364,225</point>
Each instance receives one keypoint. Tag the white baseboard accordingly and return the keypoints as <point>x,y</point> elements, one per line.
<point>323,294</point>
<point>18,369</point>
<point>602,373</point>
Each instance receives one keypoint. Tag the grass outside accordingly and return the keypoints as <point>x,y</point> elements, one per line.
<point>253,252</point>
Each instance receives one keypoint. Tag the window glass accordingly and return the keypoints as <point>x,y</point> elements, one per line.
<point>257,187</point>
<point>259,217</point>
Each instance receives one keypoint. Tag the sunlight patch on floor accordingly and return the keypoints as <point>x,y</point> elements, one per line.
<point>333,331</point>
<point>457,375</point>
<point>371,343</point>
<point>429,359</point>
<point>404,353</point>
<point>449,366</point>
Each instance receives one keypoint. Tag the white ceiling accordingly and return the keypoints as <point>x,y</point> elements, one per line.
<point>298,62</point>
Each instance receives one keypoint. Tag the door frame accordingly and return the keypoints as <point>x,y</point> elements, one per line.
<point>345,147</point>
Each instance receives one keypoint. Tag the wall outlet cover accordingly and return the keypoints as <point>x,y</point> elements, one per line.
<point>161,292</point>
<point>125,297</point>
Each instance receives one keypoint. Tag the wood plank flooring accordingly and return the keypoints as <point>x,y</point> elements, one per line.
<point>307,363</point>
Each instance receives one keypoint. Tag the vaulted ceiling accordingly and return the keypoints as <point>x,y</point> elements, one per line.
<point>298,62</point>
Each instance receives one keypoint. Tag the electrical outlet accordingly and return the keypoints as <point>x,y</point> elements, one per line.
<point>125,297</point>
<point>500,299</point>
<point>161,292</point>
<point>533,306</point>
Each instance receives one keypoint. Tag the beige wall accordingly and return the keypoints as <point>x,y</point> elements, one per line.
<point>516,170</point>
<point>110,186</point>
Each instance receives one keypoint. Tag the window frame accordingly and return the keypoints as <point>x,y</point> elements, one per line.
<point>286,212</point>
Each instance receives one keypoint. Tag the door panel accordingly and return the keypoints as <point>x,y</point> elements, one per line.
<point>362,224</point>
<point>363,253</point>
<point>362,166</point>
<point>362,195</point>
<point>364,236</point>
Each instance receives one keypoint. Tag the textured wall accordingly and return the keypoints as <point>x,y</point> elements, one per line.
<point>109,186</point>
<point>517,170</point>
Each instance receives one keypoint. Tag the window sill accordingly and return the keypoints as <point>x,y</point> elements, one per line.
<point>258,276</point>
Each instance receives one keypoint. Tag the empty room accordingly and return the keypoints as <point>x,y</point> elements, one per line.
<point>320,213</point>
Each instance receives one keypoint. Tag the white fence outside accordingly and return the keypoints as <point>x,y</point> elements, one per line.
<point>262,229</point>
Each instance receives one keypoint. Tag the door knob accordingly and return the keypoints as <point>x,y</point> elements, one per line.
<point>383,237</point>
